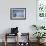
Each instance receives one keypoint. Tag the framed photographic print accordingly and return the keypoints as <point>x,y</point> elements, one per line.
<point>17,13</point>
<point>41,8</point>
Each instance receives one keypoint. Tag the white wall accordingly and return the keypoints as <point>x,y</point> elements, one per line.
<point>24,25</point>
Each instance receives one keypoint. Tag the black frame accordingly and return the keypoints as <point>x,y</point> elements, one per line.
<point>11,13</point>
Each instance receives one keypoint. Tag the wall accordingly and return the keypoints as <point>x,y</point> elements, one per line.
<point>24,25</point>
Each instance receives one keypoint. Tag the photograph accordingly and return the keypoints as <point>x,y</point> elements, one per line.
<point>17,13</point>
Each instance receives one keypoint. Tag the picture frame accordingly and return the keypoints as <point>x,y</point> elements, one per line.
<point>17,13</point>
<point>41,8</point>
